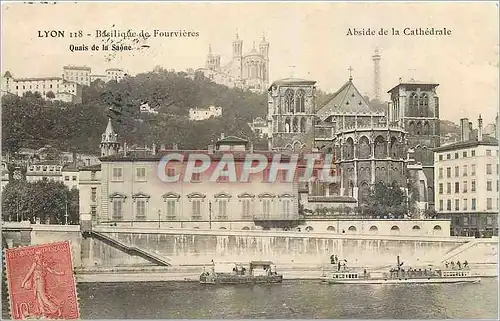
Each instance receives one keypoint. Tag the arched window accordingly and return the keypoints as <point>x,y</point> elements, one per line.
<point>300,101</point>
<point>373,229</point>
<point>416,228</point>
<point>334,189</point>
<point>309,229</point>
<point>380,147</point>
<point>364,193</point>
<point>411,127</point>
<point>287,125</point>
<point>303,125</point>
<point>349,149</point>
<point>419,128</point>
<point>426,128</point>
<point>295,127</point>
<point>395,148</point>
<point>423,105</point>
<point>413,102</point>
<point>330,228</point>
<point>289,101</point>
<point>395,228</point>
<point>364,149</point>
<point>352,228</point>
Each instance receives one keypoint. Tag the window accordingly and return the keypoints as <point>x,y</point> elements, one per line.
<point>448,205</point>
<point>92,175</point>
<point>196,209</point>
<point>266,207</point>
<point>117,209</point>
<point>464,154</point>
<point>441,205</point>
<point>464,186</point>
<point>196,177</point>
<point>246,208</point>
<point>473,220</point>
<point>140,213</point>
<point>473,169</point>
<point>473,204</point>
<point>473,186</point>
<point>66,178</point>
<point>456,155</point>
<point>440,157</point>
<point>440,188</point>
<point>448,172</point>
<point>466,220</point>
<point>489,203</point>
<point>93,194</point>
<point>74,178</point>
<point>457,187</point>
<point>117,174</point>
<point>222,208</point>
<point>488,169</point>
<point>489,186</point>
<point>464,204</point>
<point>473,153</point>
<point>286,208</point>
<point>93,212</point>
<point>440,172</point>
<point>489,220</point>
<point>488,152</point>
<point>465,170</point>
<point>171,208</point>
<point>140,174</point>
<point>448,188</point>
<point>448,156</point>
<point>457,205</point>
<point>457,171</point>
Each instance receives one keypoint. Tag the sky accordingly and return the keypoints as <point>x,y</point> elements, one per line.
<point>310,36</point>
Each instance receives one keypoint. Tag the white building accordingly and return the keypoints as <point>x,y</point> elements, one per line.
<point>78,74</point>
<point>62,89</point>
<point>202,114</point>
<point>466,188</point>
<point>145,108</point>
<point>114,74</point>
<point>259,127</point>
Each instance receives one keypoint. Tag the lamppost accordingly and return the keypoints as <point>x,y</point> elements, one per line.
<point>159,218</point>
<point>210,214</point>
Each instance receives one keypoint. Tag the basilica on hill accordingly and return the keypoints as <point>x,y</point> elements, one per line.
<point>370,144</point>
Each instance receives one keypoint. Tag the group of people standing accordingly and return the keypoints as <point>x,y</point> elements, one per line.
<point>458,265</point>
<point>334,260</point>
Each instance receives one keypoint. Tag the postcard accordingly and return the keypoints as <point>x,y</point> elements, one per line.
<point>250,160</point>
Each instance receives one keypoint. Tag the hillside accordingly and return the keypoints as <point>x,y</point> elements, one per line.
<point>33,122</point>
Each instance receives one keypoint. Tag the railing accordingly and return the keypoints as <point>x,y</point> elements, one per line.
<point>275,217</point>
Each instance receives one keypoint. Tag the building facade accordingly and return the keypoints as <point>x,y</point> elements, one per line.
<point>115,74</point>
<point>77,74</point>
<point>366,147</point>
<point>202,113</point>
<point>467,183</point>
<point>291,114</point>
<point>245,70</point>
<point>61,89</point>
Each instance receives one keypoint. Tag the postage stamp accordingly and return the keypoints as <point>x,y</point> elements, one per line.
<point>41,282</point>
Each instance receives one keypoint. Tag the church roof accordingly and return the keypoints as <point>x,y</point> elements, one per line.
<point>8,74</point>
<point>347,100</point>
<point>292,81</point>
<point>109,128</point>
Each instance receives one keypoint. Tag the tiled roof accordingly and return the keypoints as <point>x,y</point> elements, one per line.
<point>414,83</point>
<point>347,100</point>
<point>487,140</point>
<point>91,168</point>
<point>77,67</point>
<point>292,81</point>
<point>331,199</point>
<point>38,78</point>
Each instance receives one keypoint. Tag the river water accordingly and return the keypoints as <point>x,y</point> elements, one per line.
<point>292,299</point>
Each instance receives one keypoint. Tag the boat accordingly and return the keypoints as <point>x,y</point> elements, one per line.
<point>399,275</point>
<point>257,272</point>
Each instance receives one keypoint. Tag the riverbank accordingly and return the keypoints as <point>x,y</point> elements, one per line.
<point>192,273</point>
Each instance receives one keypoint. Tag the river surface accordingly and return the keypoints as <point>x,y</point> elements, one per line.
<point>290,300</point>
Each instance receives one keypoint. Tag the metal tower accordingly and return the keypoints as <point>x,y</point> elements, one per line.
<point>376,73</point>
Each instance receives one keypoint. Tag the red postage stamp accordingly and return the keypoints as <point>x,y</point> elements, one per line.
<point>41,282</point>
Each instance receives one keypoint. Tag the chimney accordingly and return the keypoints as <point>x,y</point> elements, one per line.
<point>221,135</point>
<point>210,149</point>
<point>174,146</point>
<point>479,129</point>
<point>464,129</point>
<point>153,149</point>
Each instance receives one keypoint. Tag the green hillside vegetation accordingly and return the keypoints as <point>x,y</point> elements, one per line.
<point>33,122</point>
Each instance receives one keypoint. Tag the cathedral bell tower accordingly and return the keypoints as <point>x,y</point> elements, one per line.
<point>237,65</point>
<point>109,141</point>
<point>264,51</point>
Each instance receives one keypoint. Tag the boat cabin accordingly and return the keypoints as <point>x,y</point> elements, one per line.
<point>454,273</point>
<point>262,268</point>
<point>345,275</point>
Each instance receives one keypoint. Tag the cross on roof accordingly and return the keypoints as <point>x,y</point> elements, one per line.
<point>350,72</point>
<point>412,74</point>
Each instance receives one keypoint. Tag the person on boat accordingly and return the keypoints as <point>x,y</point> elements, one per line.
<point>364,273</point>
<point>336,258</point>
<point>446,264</point>
<point>459,265</point>
<point>338,264</point>
<point>452,264</point>
<point>465,264</point>
<point>332,259</point>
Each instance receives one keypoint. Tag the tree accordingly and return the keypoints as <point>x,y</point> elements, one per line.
<point>45,200</point>
<point>50,95</point>
<point>385,200</point>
